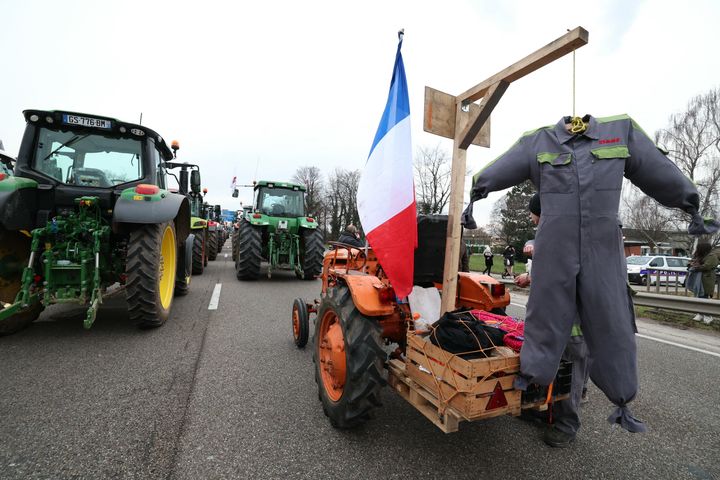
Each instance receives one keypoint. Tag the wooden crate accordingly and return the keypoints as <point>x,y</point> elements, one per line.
<point>469,387</point>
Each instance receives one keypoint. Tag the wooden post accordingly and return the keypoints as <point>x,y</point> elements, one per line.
<point>465,127</point>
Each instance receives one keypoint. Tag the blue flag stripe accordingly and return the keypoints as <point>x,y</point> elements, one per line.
<point>398,104</point>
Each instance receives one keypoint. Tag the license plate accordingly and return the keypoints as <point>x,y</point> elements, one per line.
<point>87,121</point>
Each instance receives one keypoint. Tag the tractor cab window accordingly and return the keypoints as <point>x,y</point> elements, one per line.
<point>281,202</point>
<point>88,160</point>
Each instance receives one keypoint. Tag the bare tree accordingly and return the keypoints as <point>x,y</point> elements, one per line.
<point>311,177</point>
<point>648,217</point>
<point>341,200</point>
<point>432,179</point>
<point>495,227</point>
<point>692,141</point>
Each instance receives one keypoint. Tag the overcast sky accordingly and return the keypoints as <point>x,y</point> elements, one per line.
<point>257,89</point>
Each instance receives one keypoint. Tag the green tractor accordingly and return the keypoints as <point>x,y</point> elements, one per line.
<point>189,185</point>
<point>277,231</point>
<point>86,209</point>
<point>215,232</point>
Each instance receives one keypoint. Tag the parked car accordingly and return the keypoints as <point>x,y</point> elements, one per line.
<point>671,269</point>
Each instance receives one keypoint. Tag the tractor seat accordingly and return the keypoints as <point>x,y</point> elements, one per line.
<point>277,210</point>
<point>91,177</point>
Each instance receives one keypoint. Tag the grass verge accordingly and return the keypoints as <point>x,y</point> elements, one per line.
<point>675,319</point>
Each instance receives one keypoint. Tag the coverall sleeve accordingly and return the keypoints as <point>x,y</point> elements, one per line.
<point>509,169</point>
<point>657,175</point>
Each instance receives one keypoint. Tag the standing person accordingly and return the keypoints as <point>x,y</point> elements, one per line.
<point>577,166</point>
<point>350,236</point>
<point>487,253</point>
<point>566,418</point>
<point>509,260</point>
<point>704,261</point>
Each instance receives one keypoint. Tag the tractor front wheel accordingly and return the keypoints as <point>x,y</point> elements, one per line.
<point>14,257</point>
<point>311,256</point>
<point>348,358</point>
<point>151,271</point>
<point>300,322</point>
<point>247,265</point>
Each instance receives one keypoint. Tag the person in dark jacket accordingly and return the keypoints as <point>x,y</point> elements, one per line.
<point>508,261</point>
<point>488,260</point>
<point>705,261</point>
<point>351,237</point>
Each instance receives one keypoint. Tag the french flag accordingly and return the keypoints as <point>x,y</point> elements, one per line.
<point>386,192</point>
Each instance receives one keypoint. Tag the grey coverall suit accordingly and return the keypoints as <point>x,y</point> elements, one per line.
<point>579,263</point>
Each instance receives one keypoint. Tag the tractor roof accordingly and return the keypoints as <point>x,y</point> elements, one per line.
<point>53,118</point>
<point>272,184</point>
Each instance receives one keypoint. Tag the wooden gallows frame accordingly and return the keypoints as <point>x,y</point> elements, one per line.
<point>467,123</point>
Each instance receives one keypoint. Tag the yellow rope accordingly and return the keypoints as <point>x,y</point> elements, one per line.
<point>577,125</point>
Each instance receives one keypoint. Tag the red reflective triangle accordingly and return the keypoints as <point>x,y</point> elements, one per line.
<point>497,399</point>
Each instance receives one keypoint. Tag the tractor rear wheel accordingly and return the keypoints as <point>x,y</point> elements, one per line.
<point>348,358</point>
<point>249,242</point>
<point>151,271</point>
<point>14,256</point>
<point>300,322</point>
<point>198,256</point>
<point>311,256</point>
<point>212,245</point>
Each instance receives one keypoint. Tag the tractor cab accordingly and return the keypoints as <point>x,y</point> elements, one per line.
<point>279,199</point>
<point>78,154</point>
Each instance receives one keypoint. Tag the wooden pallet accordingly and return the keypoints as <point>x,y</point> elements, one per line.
<point>477,388</point>
<point>425,402</point>
<point>448,389</point>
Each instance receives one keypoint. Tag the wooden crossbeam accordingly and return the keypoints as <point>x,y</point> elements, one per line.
<point>491,99</point>
<point>549,53</point>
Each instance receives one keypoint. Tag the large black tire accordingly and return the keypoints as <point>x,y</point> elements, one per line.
<point>300,322</point>
<point>184,270</point>
<point>212,245</point>
<point>249,241</point>
<point>149,293</point>
<point>364,360</point>
<point>312,252</point>
<point>234,245</point>
<point>182,286</point>
<point>198,257</point>
<point>14,256</point>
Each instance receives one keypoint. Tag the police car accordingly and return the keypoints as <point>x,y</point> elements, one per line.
<point>671,269</point>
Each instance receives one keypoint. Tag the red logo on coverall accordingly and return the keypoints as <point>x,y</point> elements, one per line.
<point>609,140</point>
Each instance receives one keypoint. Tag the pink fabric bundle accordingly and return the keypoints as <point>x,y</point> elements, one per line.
<point>514,329</point>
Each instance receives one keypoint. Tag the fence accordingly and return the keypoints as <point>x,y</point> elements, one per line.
<point>676,298</point>
<point>655,277</point>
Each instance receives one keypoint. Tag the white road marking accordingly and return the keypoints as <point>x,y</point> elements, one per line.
<point>215,298</point>
<point>678,345</point>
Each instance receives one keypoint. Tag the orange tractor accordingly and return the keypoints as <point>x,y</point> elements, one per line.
<point>359,320</point>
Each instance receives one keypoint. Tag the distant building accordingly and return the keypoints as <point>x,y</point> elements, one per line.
<point>636,242</point>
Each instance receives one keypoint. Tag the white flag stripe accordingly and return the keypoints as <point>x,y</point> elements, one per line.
<point>387,171</point>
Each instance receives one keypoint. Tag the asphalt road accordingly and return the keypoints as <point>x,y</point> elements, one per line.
<point>225,394</point>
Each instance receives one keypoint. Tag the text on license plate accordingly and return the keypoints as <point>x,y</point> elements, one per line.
<point>86,121</point>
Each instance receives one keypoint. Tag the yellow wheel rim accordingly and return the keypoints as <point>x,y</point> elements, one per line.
<point>168,264</point>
